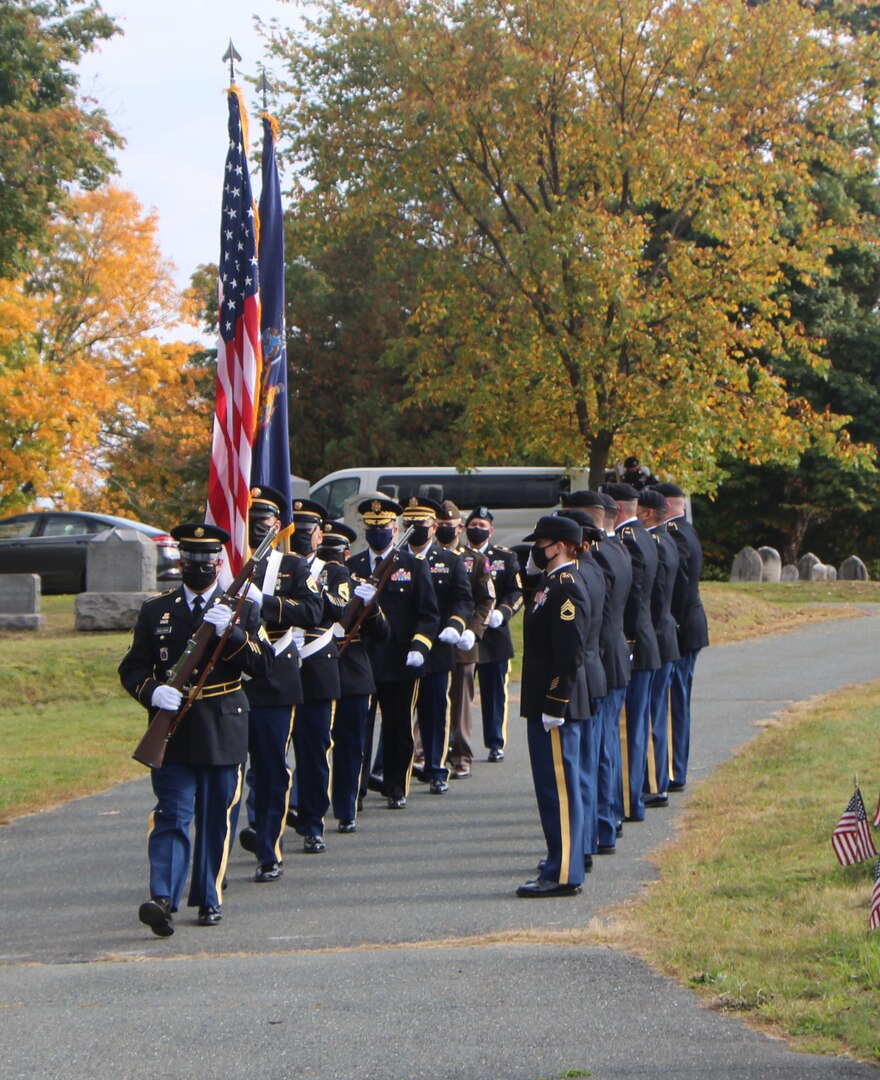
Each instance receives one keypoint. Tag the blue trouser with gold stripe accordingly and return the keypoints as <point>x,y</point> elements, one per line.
<point>349,731</point>
<point>205,795</point>
<point>433,716</point>
<point>555,758</point>
<point>589,769</point>
<point>610,794</point>
<point>657,767</point>
<point>492,677</point>
<point>269,777</point>
<point>680,689</point>
<point>312,741</point>
<point>635,753</point>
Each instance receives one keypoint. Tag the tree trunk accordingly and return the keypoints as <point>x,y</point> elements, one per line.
<point>599,448</point>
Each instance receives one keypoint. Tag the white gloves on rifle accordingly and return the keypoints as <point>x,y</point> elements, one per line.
<point>219,616</point>
<point>495,619</point>
<point>166,697</point>
<point>299,636</point>
<point>366,591</point>
<point>551,721</point>
<point>255,593</point>
<point>449,636</point>
<point>466,641</point>
<point>414,659</point>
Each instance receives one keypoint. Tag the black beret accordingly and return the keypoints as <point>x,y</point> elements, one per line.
<point>671,491</point>
<point>553,527</point>
<point>479,513</point>
<point>607,501</point>
<point>580,498</point>
<point>266,501</point>
<point>448,511</point>
<point>621,492</point>
<point>573,514</point>
<point>651,497</point>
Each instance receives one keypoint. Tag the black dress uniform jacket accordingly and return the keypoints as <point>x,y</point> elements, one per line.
<point>616,562</point>
<point>554,631</point>
<point>497,644</point>
<point>687,607</point>
<point>454,599</point>
<point>637,613</point>
<point>409,604</point>
<point>295,602</point>
<point>594,582</point>
<point>320,670</point>
<point>661,597</point>
<point>215,729</point>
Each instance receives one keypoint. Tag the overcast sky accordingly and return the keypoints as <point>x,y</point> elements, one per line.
<point>162,82</point>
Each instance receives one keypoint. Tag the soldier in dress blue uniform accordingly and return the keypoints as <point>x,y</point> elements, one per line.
<point>410,606</point>
<point>200,778</point>
<point>496,646</point>
<point>554,631</point>
<point>356,685</point>
<point>290,603</point>
<point>651,512</point>
<point>693,633</point>
<point>643,642</point>
<point>455,603</point>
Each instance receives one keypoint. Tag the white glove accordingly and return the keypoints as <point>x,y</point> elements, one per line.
<point>495,619</point>
<point>551,721</point>
<point>219,616</point>
<point>414,659</point>
<point>166,697</point>
<point>531,570</point>
<point>466,641</point>
<point>255,593</point>
<point>299,636</point>
<point>366,591</point>
<point>449,636</point>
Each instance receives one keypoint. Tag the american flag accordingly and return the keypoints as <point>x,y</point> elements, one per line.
<point>238,349</point>
<point>874,918</point>
<point>875,821</point>
<point>851,839</point>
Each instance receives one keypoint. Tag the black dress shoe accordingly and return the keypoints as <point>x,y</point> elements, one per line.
<point>495,755</point>
<point>292,818</point>
<point>314,845</point>
<point>269,872</point>
<point>541,887</point>
<point>588,863</point>
<point>607,849</point>
<point>656,801</point>
<point>156,913</point>
<point>634,820</point>
<point>209,916</point>
<point>439,787</point>
<point>248,839</point>
<point>346,826</point>
<point>675,787</point>
<point>375,782</point>
<point>397,804</point>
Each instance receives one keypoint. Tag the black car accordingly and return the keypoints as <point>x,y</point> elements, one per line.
<point>52,543</point>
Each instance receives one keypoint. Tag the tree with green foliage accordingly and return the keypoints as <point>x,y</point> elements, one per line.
<point>604,204</point>
<point>52,139</point>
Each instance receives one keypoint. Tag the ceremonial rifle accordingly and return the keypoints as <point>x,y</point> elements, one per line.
<point>357,610</point>
<point>151,749</point>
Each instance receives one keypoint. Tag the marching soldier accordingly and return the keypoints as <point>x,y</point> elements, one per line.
<point>289,604</point>
<point>410,606</point>
<point>200,778</point>
<point>496,646</point>
<point>554,629</point>
<point>455,604</point>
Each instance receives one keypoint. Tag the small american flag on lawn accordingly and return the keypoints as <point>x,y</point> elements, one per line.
<point>875,821</point>
<point>851,839</point>
<point>874,919</point>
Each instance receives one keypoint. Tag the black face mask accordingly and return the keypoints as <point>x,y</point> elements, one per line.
<point>301,541</point>
<point>476,536</point>
<point>257,533</point>
<point>420,535</point>
<point>331,554</point>
<point>378,537</point>
<point>446,533</point>
<point>198,576</point>
<point>540,557</point>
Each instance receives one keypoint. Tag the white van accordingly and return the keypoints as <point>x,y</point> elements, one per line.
<point>516,496</point>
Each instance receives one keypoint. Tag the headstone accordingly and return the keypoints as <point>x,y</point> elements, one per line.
<point>747,566</point>
<point>789,572</point>
<point>120,560</point>
<point>20,596</point>
<point>830,573</point>
<point>772,564</point>
<point>853,569</point>
<point>819,572</point>
<point>804,563</point>
<point>120,575</point>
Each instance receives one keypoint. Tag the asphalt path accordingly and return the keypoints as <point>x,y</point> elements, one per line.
<point>362,962</point>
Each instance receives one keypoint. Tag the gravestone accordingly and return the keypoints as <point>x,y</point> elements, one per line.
<point>804,564</point>
<point>853,569</point>
<point>120,575</point>
<point>822,572</point>
<point>20,596</point>
<point>772,564</point>
<point>789,572</point>
<point>747,566</point>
